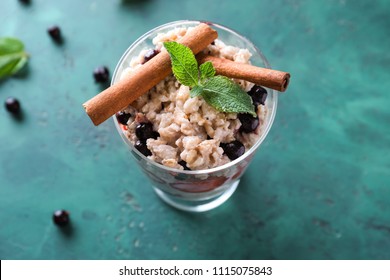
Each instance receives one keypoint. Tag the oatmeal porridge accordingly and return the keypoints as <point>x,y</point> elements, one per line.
<point>173,129</point>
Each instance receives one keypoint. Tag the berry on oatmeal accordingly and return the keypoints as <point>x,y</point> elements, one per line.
<point>233,149</point>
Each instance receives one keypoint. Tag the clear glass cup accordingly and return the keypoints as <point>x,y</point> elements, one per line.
<point>202,190</point>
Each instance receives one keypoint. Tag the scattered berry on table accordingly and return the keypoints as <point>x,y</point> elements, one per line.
<point>233,149</point>
<point>144,131</point>
<point>142,148</point>
<point>101,74</point>
<point>248,123</point>
<point>184,164</point>
<point>123,117</point>
<point>61,218</point>
<point>258,94</point>
<point>54,32</point>
<point>12,105</point>
<point>150,54</point>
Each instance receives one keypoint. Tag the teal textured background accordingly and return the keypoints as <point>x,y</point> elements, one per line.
<point>319,187</point>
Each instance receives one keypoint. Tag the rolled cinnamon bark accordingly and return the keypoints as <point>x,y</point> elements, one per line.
<point>274,79</point>
<point>115,98</point>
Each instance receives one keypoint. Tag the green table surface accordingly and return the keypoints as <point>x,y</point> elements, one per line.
<point>318,188</point>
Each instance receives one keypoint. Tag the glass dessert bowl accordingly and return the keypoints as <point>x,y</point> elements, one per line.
<point>204,189</point>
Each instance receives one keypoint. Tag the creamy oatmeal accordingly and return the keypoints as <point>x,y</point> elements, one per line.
<point>181,132</point>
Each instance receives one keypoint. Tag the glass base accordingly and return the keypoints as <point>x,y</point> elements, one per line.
<point>197,205</point>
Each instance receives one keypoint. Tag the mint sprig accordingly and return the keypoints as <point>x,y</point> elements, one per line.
<point>12,56</point>
<point>218,91</point>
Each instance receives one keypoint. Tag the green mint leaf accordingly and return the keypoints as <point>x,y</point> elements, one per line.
<point>206,70</point>
<point>226,96</point>
<point>184,64</point>
<point>196,91</point>
<point>12,56</point>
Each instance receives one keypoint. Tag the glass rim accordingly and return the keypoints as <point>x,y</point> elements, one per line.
<point>214,169</point>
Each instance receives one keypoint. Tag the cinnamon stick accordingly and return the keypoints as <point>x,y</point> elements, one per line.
<point>120,95</point>
<point>274,79</point>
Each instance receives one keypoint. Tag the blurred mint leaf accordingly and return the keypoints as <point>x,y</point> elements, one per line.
<point>226,96</point>
<point>184,64</point>
<point>12,56</point>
